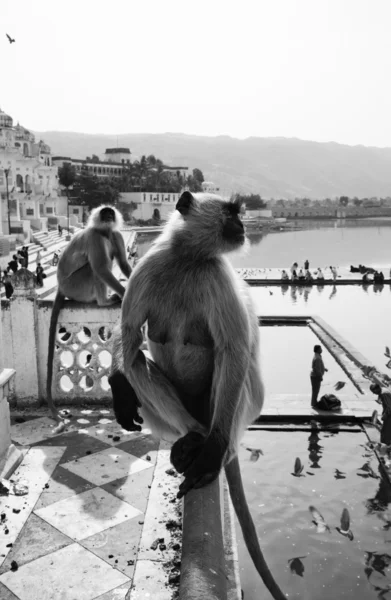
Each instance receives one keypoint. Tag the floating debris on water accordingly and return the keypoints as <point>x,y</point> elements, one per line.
<point>339,474</point>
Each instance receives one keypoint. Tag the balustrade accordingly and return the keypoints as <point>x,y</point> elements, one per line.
<point>82,357</point>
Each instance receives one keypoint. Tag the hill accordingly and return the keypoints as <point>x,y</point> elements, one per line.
<point>272,167</point>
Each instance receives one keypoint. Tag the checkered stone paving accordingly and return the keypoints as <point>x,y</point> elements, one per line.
<point>75,534</point>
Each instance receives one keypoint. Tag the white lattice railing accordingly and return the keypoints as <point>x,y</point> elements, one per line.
<point>82,360</point>
<point>83,354</point>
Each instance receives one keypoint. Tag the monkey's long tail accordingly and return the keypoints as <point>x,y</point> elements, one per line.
<point>57,306</point>
<point>235,483</point>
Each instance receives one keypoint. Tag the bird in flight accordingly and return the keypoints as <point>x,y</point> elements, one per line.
<point>10,39</point>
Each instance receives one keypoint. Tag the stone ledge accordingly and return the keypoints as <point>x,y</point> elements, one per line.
<point>5,376</point>
<point>203,574</point>
<point>11,461</point>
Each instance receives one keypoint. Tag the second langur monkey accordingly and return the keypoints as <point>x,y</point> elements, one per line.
<point>203,386</point>
<point>84,273</point>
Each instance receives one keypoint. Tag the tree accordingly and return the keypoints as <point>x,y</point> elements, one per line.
<point>198,175</point>
<point>67,178</point>
<point>357,201</point>
<point>252,201</point>
<point>92,191</point>
<point>67,175</point>
<point>344,200</point>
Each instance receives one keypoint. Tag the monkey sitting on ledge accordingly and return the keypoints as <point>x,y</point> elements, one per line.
<point>203,386</point>
<point>84,273</point>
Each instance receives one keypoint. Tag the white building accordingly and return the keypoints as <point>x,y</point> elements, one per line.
<point>100,169</point>
<point>28,180</point>
<point>210,187</point>
<point>148,202</point>
<point>117,155</point>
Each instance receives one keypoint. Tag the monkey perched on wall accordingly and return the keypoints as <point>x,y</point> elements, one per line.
<point>203,386</point>
<point>84,273</point>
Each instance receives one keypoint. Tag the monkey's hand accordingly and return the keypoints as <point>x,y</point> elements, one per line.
<point>114,298</point>
<point>199,459</point>
<point>125,402</point>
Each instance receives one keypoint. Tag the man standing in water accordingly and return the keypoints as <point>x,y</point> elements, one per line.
<point>384,398</point>
<point>317,372</point>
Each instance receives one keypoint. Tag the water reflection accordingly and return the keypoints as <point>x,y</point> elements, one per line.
<point>378,563</point>
<point>381,500</point>
<point>255,238</point>
<point>297,292</point>
<point>314,449</point>
<point>378,287</point>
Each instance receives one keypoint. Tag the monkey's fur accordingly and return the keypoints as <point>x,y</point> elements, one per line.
<point>203,386</point>
<point>84,273</point>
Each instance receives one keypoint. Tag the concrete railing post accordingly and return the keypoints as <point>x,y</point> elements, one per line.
<point>9,455</point>
<point>23,335</point>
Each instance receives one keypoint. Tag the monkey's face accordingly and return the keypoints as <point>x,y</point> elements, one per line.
<point>107,216</point>
<point>211,225</point>
<point>233,230</point>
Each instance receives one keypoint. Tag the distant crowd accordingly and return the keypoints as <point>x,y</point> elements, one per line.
<point>369,275</point>
<point>21,260</point>
<point>304,274</point>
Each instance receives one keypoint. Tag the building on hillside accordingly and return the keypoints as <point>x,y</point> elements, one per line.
<point>28,179</point>
<point>210,188</point>
<point>117,155</point>
<point>92,167</point>
<point>150,202</point>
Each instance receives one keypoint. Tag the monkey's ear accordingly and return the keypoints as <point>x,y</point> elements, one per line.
<point>184,203</point>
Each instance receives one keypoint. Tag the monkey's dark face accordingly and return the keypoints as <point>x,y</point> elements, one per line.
<point>107,215</point>
<point>233,229</point>
<point>211,225</point>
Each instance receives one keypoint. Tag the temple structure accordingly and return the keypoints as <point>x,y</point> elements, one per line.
<point>28,179</point>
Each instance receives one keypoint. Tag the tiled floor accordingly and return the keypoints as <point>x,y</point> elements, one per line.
<point>76,533</point>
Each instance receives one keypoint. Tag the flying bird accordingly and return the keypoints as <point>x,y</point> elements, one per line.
<point>255,453</point>
<point>296,565</point>
<point>339,385</point>
<point>298,468</point>
<point>345,525</point>
<point>318,520</point>
<point>10,39</point>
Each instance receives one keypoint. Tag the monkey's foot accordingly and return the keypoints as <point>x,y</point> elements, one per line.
<point>203,461</point>
<point>125,402</point>
<point>185,450</point>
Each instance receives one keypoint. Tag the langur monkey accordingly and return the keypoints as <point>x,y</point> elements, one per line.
<point>84,273</point>
<point>202,385</point>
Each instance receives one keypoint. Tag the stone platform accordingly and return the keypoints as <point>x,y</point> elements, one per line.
<point>272,276</point>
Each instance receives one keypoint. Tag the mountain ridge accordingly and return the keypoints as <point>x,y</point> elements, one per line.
<point>277,167</point>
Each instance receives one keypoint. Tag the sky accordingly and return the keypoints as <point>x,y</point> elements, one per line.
<point>312,69</point>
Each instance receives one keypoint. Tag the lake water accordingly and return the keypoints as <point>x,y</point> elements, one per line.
<point>339,243</point>
<point>340,471</point>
